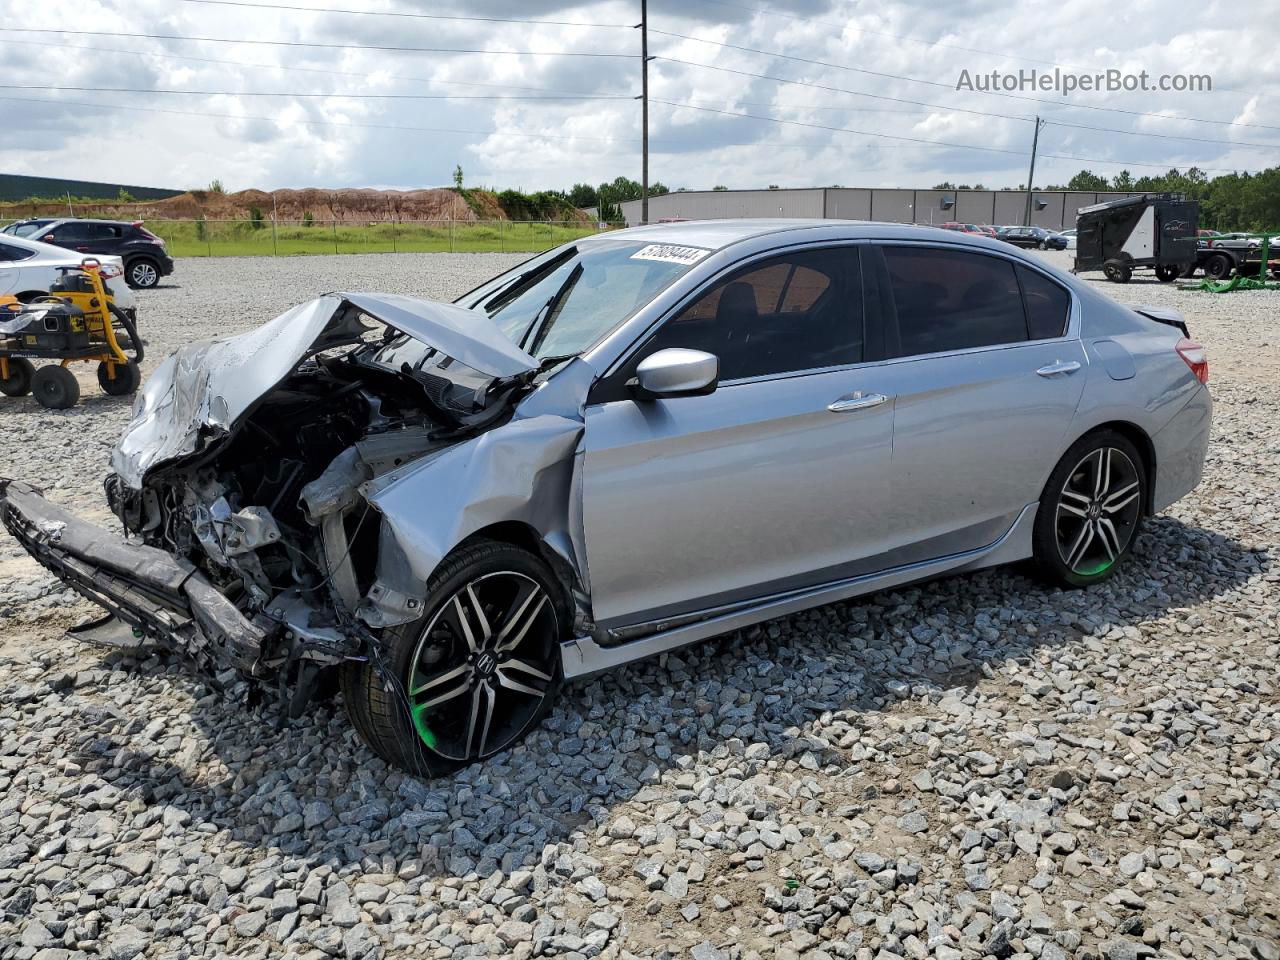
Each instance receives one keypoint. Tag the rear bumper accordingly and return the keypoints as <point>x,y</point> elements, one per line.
<point>156,593</point>
<point>1180,449</point>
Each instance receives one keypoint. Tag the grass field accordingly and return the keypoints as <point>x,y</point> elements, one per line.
<point>242,238</point>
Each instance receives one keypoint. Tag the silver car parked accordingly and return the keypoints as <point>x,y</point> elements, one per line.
<point>627,444</point>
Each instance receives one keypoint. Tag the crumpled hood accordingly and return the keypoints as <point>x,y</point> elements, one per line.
<point>208,386</point>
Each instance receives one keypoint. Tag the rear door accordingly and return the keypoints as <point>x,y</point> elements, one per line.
<point>100,238</point>
<point>11,257</point>
<point>987,379</point>
<point>776,480</point>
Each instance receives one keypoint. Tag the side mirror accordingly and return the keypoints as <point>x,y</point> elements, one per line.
<point>676,372</point>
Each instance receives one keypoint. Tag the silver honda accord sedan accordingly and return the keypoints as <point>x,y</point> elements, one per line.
<point>627,444</point>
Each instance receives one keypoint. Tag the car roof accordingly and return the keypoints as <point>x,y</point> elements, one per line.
<point>114,223</point>
<point>717,234</point>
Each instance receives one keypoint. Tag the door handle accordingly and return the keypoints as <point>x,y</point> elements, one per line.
<point>1059,367</point>
<point>857,401</point>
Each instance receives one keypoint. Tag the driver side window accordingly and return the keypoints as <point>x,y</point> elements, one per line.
<point>801,311</point>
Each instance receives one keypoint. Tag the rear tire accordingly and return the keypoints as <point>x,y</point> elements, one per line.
<point>18,383</point>
<point>1091,510</point>
<point>1117,271</point>
<point>1167,272</point>
<point>142,272</point>
<point>125,381</point>
<point>55,387</point>
<point>471,677</point>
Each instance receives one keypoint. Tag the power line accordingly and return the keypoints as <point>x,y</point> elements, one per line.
<point>559,94</point>
<point>414,16</point>
<point>947,86</point>
<point>817,63</point>
<point>918,140</point>
<point>324,46</point>
<point>309,94</point>
<point>97,106</point>
<point>947,107</point>
<point>824,126</point>
<point>361,74</point>
<point>318,123</point>
<point>828,87</point>
<point>881,33</point>
<point>1165,136</point>
<point>675,146</point>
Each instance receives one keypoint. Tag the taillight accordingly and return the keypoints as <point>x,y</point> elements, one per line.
<point>1194,356</point>
<point>111,271</point>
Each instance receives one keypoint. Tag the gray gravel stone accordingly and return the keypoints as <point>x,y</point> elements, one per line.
<point>974,766</point>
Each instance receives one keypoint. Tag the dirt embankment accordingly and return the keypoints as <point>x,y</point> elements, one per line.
<point>341,205</point>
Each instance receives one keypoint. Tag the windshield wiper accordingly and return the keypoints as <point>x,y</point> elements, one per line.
<point>546,363</point>
<point>548,313</point>
<point>526,280</point>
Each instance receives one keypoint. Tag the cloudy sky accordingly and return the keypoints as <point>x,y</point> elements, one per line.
<point>877,67</point>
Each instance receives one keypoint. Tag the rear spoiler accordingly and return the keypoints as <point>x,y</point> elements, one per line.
<point>1170,318</point>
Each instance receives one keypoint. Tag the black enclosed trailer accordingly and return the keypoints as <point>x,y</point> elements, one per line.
<point>1150,230</point>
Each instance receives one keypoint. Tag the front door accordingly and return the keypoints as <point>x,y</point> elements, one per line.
<point>777,480</point>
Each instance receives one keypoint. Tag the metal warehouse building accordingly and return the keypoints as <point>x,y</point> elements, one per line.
<point>1055,209</point>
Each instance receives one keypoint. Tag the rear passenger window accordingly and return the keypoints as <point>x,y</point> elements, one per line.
<point>1048,305</point>
<point>953,300</point>
<point>801,311</point>
<point>11,254</point>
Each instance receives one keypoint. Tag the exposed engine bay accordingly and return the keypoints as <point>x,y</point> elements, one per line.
<point>280,479</point>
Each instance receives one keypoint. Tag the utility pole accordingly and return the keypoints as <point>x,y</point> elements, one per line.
<point>644,110</point>
<point>1031,176</point>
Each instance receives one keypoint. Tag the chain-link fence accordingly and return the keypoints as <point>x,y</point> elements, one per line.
<point>265,238</point>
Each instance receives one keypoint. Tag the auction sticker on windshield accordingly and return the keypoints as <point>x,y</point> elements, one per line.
<point>670,253</point>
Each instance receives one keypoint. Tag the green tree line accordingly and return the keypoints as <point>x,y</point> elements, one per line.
<point>1232,201</point>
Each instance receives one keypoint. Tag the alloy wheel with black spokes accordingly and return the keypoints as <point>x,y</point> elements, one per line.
<point>474,674</point>
<point>1091,510</point>
<point>481,670</point>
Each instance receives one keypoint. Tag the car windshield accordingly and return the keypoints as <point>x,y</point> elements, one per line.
<point>562,303</point>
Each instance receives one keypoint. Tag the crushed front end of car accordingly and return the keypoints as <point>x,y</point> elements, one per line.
<point>285,494</point>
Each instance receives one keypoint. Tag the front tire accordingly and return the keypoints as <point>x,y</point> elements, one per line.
<point>1168,272</point>
<point>1090,511</point>
<point>471,677</point>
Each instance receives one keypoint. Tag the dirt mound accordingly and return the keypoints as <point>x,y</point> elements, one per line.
<point>343,205</point>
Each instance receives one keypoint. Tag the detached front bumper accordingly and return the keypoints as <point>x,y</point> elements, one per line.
<point>156,593</point>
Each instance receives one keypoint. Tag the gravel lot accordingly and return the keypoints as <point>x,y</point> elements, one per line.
<point>974,767</point>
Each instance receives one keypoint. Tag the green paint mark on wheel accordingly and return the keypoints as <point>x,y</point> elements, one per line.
<point>1096,570</point>
<point>420,724</point>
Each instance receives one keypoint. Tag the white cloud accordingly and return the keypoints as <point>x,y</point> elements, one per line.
<point>340,140</point>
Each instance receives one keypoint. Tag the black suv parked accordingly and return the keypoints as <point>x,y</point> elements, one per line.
<point>144,255</point>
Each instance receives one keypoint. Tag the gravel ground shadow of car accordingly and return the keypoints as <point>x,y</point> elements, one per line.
<point>792,688</point>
